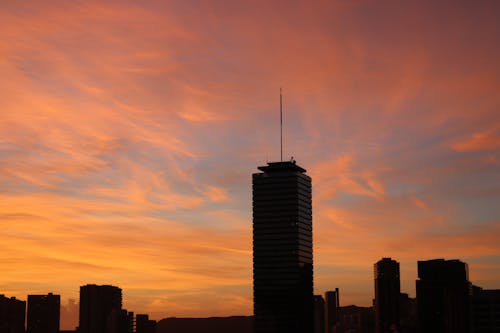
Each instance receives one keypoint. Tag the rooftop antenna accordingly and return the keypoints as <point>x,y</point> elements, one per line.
<point>281,125</point>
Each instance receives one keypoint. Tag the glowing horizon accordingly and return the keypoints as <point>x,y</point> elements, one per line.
<point>129,133</point>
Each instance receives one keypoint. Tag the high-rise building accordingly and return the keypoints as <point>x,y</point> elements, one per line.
<point>485,310</point>
<point>332,305</point>
<point>282,249</point>
<point>443,296</point>
<point>12,315</point>
<point>100,309</point>
<point>43,313</point>
<point>387,290</point>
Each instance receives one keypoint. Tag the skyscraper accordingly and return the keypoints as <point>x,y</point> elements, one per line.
<point>443,296</point>
<point>43,313</point>
<point>100,309</point>
<point>282,249</point>
<point>387,290</point>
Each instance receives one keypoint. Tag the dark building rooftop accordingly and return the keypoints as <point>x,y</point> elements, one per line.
<point>281,166</point>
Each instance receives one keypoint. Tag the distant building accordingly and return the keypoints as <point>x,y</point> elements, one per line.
<point>319,314</point>
<point>127,322</point>
<point>443,296</point>
<point>332,306</point>
<point>387,290</point>
<point>282,249</point>
<point>100,309</point>
<point>144,325</point>
<point>407,314</point>
<point>485,310</point>
<point>355,319</point>
<point>43,313</point>
<point>12,315</point>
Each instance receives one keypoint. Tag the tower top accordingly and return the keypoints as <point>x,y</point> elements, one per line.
<point>281,166</point>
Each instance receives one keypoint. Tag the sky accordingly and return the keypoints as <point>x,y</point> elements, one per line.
<point>129,132</point>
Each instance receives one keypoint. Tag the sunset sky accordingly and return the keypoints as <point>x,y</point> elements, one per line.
<point>129,131</point>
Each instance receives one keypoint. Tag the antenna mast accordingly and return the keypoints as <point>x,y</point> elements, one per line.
<point>281,125</point>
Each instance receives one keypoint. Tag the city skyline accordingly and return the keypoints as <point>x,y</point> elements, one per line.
<point>129,133</point>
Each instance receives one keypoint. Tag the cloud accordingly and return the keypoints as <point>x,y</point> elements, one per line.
<point>129,133</point>
<point>481,141</point>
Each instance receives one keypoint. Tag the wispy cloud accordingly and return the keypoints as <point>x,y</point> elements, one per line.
<point>129,132</point>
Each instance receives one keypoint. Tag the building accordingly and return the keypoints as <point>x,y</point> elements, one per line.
<point>43,313</point>
<point>407,314</point>
<point>387,295</point>
<point>355,319</point>
<point>282,249</point>
<point>332,306</point>
<point>12,314</point>
<point>319,314</point>
<point>100,309</point>
<point>144,325</point>
<point>443,297</point>
<point>485,310</point>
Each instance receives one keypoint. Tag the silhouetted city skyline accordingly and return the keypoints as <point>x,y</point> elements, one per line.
<point>447,302</point>
<point>130,131</point>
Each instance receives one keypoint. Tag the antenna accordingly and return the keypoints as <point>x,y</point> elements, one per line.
<point>281,125</point>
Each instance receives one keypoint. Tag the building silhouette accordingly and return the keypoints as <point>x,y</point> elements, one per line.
<point>443,297</point>
<point>387,295</point>
<point>407,314</point>
<point>355,319</point>
<point>100,309</point>
<point>126,322</point>
<point>144,325</point>
<point>332,306</point>
<point>43,313</point>
<point>12,314</point>
<point>485,310</point>
<point>319,314</point>
<point>282,249</point>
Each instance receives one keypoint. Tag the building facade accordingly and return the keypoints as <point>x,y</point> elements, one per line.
<point>387,295</point>
<point>282,249</point>
<point>43,313</point>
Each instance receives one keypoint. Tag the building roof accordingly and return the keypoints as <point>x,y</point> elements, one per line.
<point>281,166</point>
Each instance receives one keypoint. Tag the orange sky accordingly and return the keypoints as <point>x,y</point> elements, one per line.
<point>129,133</point>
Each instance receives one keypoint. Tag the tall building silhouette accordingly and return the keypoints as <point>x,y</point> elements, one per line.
<point>282,249</point>
<point>443,296</point>
<point>332,305</point>
<point>100,309</point>
<point>387,295</point>
<point>43,313</point>
<point>12,314</point>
